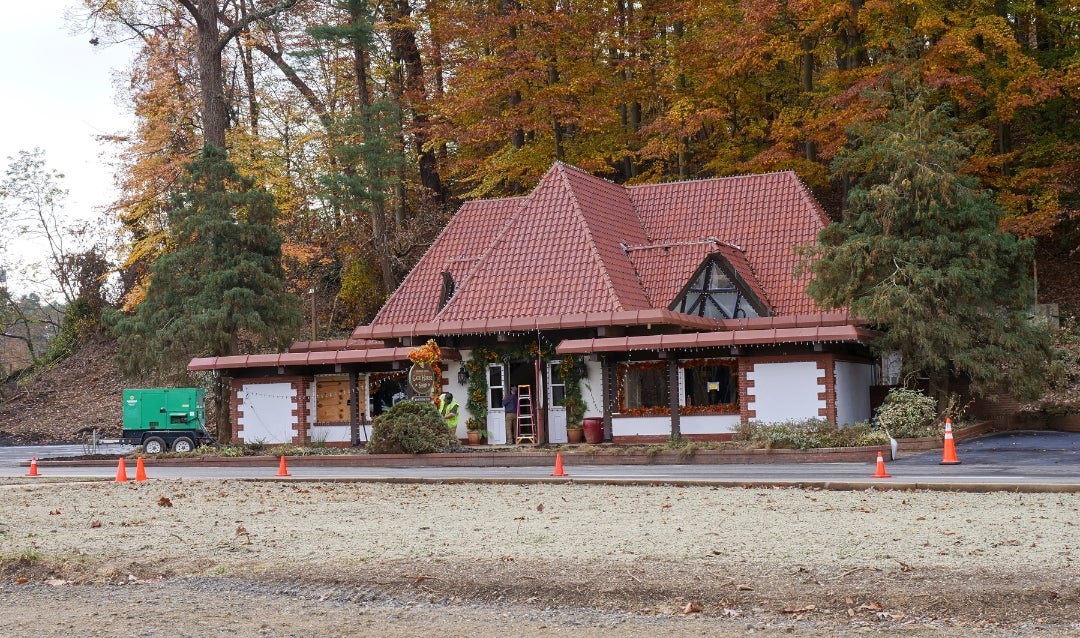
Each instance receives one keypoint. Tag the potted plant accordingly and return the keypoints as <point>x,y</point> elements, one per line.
<point>476,432</point>
<point>570,374</point>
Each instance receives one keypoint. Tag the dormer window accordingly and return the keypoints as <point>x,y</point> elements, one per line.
<point>447,288</point>
<point>717,292</point>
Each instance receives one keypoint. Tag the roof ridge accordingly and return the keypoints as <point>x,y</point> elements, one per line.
<point>718,178</point>
<point>689,242</point>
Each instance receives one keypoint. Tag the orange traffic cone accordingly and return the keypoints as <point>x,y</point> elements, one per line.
<point>33,467</point>
<point>558,466</point>
<point>948,453</point>
<point>880,467</point>
<point>121,471</point>
<point>140,470</point>
<point>282,470</point>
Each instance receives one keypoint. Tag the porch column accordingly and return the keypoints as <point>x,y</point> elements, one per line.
<point>605,396</point>
<point>673,392</point>
<point>354,407</point>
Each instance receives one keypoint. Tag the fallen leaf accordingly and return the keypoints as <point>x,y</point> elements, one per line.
<point>799,610</point>
<point>540,507</point>
<point>692,607</point>
<point>164,502</point>
<point>744,588</point>
<point>95,524</point>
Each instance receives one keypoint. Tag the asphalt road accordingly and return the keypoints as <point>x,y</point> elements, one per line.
<point>1016,460</point>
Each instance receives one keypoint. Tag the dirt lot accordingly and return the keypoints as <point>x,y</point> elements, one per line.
<point>199,558</point>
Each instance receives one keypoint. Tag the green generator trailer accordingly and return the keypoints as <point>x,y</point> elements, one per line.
<point>161,419</point>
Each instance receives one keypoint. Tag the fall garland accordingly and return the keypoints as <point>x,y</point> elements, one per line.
<point>429,355</point>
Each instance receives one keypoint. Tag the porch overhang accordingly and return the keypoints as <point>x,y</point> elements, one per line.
<point>719,339</point>
<point>310,358</point>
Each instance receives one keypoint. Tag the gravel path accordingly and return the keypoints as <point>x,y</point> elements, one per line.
<point>179,558</point>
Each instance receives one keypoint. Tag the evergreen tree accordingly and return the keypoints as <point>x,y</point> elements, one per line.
<point>222,285</point>
<point>919,255</point>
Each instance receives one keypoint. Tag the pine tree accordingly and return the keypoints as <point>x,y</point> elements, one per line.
<point>919,255</point>
<point>221,285</point>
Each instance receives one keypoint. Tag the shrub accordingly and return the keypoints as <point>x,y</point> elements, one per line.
<point>808,434</point>
<point>907,413</point>
<point>410,427</point>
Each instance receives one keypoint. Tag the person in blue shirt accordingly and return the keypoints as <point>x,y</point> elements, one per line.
<point>510,409</point>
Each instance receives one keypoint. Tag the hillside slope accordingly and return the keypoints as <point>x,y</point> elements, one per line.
<point>82,391</point>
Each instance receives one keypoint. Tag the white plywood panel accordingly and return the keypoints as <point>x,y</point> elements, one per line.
<point>266,413</point>
<point>785,391</point>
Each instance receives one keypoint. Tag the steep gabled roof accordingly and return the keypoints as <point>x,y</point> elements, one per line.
<point>766,215</point>
<point>457,249</point>
<point>579,245</point>
<point>558,254</point>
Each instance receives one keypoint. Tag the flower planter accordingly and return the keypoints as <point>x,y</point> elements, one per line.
<point>594,430</point>
<point>474,437</point>
<point>574,435</point>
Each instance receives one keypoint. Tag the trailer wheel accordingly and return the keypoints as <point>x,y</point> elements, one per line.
<point>154,445</point>
<point>183,444</point>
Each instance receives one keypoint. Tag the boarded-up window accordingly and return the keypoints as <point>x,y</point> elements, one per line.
<point>332,399</point>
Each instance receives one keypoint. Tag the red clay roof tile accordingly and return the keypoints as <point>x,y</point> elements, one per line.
<point>578,245</point>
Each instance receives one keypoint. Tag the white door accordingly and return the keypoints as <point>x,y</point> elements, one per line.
<point>556,407</point>
<point>496,419</point>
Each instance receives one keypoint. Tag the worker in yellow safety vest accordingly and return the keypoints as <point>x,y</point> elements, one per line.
<point>449,409</point>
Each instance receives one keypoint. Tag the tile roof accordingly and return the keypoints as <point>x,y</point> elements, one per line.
<point>651,316</point>
<point>656,263</point>
<point>765,215</point>
<point>559,253</point>
<point>310,358</point>
<point>457,250</point>
<point>578,245</point>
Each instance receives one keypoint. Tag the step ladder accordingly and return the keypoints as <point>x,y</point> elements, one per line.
<point>526,426</point>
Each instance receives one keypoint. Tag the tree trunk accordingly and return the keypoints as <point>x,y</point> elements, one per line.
<point>222,398</point>
<point>403,43</point>
<point>808,87</point>
<point>211,86</point>
<point>243,47</point>
<point>939,390</point>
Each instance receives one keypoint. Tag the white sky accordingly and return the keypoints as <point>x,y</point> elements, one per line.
<point>56,93</point>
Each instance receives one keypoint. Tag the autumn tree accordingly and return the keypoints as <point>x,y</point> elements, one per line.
<point>220,291</point>
<point>919,255</point>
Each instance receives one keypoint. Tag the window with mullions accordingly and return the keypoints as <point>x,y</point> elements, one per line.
<point>712,383</point>
<point>714,295</point>
<point>710,386</point>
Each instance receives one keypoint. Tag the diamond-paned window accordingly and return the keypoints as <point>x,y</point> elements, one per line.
<point>715,293</point>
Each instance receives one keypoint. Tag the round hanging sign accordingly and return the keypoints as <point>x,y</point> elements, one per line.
<point>422,379</point>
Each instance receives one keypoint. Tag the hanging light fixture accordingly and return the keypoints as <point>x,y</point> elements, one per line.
<point>463,374</point>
